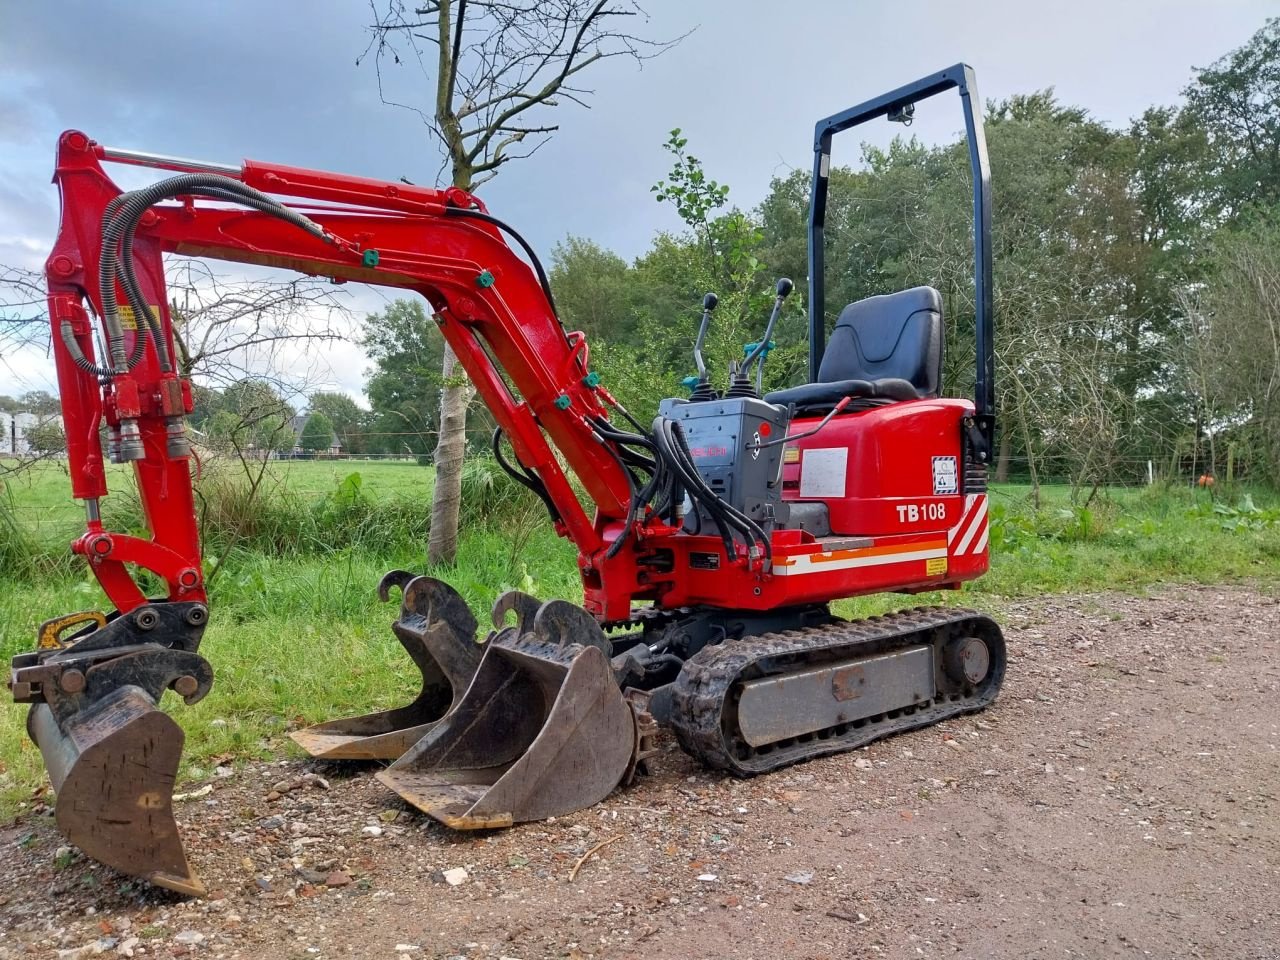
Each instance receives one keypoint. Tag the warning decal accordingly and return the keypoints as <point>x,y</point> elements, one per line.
<point>129,319</point>
<point>945,478</point>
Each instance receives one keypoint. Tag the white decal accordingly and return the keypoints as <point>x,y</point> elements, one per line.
<point>913,512</point>
<point>970,534</point>
<point>945,478</point>
<point>822,472</point>
<point>817,563</point>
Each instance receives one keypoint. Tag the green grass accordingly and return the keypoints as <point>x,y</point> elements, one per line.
<point>297,634</point>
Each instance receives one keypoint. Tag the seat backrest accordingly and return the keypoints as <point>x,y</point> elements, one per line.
<point>896,336</point>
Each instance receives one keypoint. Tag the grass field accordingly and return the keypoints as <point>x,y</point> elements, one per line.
<point>297,634</point>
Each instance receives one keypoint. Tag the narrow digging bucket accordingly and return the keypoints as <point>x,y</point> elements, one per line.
<point>113,767</point>
<point>542,731</point>
<point>438,631</point>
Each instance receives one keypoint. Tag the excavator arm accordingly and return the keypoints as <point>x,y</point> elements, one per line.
<point>493,309</point>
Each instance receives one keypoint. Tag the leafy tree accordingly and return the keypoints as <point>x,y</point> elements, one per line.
<point>404,385</point>
<point>317,434</point>
<point>1242,307</point>
<point>206,401</point>
<point>40,402</point>
<point>1236,102</point>
<point>596,290</point>
<point>345,416</point>
<point>224,430</point>
<point>262,414</point>
<point>720,254</point>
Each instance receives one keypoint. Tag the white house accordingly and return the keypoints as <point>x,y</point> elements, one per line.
<point>14,427</point>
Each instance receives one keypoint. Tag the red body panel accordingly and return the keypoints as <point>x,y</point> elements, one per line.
<point>491,307</point>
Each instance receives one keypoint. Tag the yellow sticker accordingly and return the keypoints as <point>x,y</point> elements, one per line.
<point>129,320</point>
<point>791,455</point>
<point>935,566</point>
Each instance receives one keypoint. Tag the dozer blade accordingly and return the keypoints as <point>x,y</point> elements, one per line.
<point>438,631</point>
<point>542,731</point>
<point>113,768</point>
<point>111,754</point>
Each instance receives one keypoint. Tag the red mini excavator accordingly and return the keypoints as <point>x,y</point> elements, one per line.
<point>715,538</point>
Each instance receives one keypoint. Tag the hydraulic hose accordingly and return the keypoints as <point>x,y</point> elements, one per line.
<point>521,476</point>
<point>119,225</point>
<point>524,245</point>
<point>723,512</point>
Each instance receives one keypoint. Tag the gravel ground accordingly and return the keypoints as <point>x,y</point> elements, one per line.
<point>1120,799</point>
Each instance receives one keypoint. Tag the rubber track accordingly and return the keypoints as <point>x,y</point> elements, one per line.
<point>707,683</point>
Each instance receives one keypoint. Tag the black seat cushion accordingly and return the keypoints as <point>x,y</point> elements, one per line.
<point>887,348</point>
<point>813,395</point>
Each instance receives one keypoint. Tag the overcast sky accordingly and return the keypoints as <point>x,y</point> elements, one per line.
<point>228,79</point>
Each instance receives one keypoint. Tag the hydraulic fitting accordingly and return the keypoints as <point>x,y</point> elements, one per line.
<point>176,443</point>
<point>130,447</point>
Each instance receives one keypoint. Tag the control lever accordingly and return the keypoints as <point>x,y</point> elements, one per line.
<point>702,389</point>
<point>784,288</point>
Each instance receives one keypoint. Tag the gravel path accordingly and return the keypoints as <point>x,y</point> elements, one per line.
<point>1119,800</point>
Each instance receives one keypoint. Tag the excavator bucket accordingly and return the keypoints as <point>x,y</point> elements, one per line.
<point>542,731</point>
<point>111,754</point>
<point>113,770</point>
<point>438,631</point>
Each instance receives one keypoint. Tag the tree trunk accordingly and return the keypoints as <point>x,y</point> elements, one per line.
<point>446,501</point>
<point>1002,459</point>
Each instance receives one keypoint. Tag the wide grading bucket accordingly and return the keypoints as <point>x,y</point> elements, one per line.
<point>542,731</point>
<point>438,631</point>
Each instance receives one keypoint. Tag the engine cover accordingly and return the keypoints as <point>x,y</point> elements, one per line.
<point>722,437</point>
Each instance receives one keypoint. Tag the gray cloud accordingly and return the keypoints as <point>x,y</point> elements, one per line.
<point>278,81</point>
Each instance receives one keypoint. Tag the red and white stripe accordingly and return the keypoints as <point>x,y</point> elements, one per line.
<point>970,534</point>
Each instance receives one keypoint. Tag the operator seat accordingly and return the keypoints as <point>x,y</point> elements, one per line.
<point>883,349</point>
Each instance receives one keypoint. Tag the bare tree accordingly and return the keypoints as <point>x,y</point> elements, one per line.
<point>225,329</point>
<point>1240,343</point>
<point>22,309</point>
<point>491,68</point>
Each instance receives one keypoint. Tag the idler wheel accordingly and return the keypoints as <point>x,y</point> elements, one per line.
<point>967,660</point>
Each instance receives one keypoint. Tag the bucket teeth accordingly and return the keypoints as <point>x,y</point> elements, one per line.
<point>438,631</point>
<point>542,731</point>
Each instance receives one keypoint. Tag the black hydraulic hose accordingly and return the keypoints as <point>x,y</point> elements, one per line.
<point>133,293</point>
<point>694,484</point>
<point>605,429</point>
<point>727,512</point>
<point>618,444</point>
<point>536,486</point>
<point>722,511</point>
<point>524,245</point>
<point>83,362</point>
<point>129,280</point>
<point>117,238</point>
<point>632,420</point>
<point>633,507</point>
